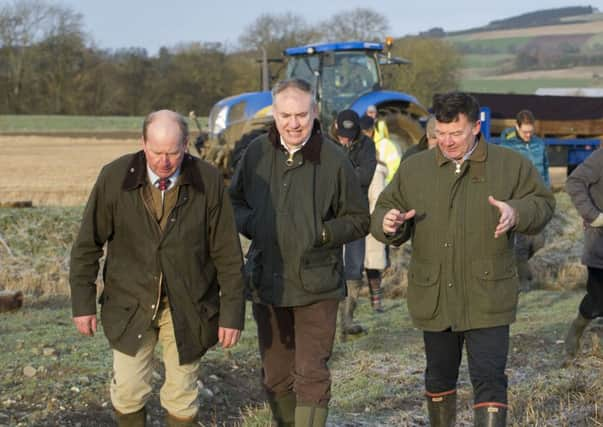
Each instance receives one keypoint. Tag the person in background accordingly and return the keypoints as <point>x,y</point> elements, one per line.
<point>523,139</point>
<point>376,257</point>
<point>427,141</point>
<point>297,198</point>
<point>462,280</point>
<point>381,130</point>
<point>172,272</point>
<point>585,187</point>
<point>360,149</point>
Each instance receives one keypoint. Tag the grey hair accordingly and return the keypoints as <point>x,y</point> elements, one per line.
<point>179,118</point>
<point>295,83</point>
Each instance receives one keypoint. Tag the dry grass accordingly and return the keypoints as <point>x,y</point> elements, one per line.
<point>55,171</point>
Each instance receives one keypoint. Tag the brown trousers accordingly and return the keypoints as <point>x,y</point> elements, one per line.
<point>295,345</point>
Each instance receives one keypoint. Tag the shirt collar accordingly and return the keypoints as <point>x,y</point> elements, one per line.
<point>153,177</point>
<point>296,148</point>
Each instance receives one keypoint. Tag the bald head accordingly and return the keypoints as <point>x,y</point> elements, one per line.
<point>165,121</point>
<point>164,141</point>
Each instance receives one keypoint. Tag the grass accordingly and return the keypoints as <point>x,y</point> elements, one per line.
<point>526,86</point>
<point>486,61</point>
<point>59,123</point>
<point>490,46</point>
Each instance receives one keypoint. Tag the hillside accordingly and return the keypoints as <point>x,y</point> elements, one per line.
<point>545,49</point>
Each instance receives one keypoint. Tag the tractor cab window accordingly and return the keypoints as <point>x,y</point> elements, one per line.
<point>304,67</point>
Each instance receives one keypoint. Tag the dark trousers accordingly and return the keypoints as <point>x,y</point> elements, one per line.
<point>487,351</point>
<point>295,345</point>
<point>354,259</point>
<point>526,245</point>
<point>592,303</point>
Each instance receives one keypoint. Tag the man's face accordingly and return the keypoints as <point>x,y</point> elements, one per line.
<point>294,114</point>
<point>163,148</point>
<point>525,131</point>
<point>456,138</point>
<point>344,140</point>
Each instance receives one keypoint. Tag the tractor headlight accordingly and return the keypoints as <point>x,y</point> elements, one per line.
<point>218,120</point>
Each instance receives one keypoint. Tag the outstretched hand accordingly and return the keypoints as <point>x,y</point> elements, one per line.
<point>393,219</point>
<point>508,217</point>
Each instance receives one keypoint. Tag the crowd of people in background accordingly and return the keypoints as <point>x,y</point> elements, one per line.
<point>307,198</point>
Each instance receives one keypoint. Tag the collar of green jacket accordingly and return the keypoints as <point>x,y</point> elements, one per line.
<point>479,154</point>
<point>310,151</point>
<point>138,169</point>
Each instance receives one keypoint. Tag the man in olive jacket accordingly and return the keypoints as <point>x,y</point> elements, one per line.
<point>172,271</point>
<point>461,203</point>
<point>297,198</point>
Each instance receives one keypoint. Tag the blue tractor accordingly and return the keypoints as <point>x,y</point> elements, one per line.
<point>344,75</point>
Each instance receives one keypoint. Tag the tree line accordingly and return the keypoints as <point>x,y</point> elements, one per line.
<point>49,66</point>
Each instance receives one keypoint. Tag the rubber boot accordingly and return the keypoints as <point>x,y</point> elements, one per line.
<point>311,416</point>
<point>174,421</point>
<point>576,329</point>
<point>442,410</point>
<point>133,419</point>
<point>283,410</point>
<point>525,276</point>
<point>376,294</point>
<point>346,311</point>
<point>490,416</point>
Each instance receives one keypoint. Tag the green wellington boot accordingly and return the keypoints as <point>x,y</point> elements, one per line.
<point>576,329</point>
<point>490,416</point>
<point>311,416</point>
<point>283,410</point>
<point>442,410</point>
<point>134,419</point>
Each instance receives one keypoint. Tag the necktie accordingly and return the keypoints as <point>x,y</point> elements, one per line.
<point>163,183</point>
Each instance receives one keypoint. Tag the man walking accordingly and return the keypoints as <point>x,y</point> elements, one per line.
<point>462,279</point>
<point>172,271</point>
<point>297,198</point>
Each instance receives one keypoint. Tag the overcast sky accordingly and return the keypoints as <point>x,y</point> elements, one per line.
<point>152,23</point>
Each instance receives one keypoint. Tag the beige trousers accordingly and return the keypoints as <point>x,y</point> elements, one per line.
<point>132,376</point>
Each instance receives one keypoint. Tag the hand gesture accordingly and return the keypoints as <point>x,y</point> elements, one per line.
<point>508,217</point>
<point>228,337</point>
<point>393,219</point>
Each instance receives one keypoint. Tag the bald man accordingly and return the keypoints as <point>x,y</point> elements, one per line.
<point>172,272</point>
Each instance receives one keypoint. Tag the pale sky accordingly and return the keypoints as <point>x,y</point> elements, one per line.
<point>152,24</point>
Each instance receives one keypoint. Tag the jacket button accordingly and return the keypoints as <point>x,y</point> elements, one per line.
<point>153,306</point>
<point>450,285</point>
<point>486,273</point>
<point>139,336</point>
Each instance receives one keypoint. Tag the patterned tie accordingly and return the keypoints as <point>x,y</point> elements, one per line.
<point>163,183</point>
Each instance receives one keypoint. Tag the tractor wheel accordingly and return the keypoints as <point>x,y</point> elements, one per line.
<point>403,129</point>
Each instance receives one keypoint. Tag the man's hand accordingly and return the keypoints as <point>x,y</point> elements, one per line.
<point>86,325</point>
<point>228,337</point>
<point>508,217</point>
<point>393,219</point>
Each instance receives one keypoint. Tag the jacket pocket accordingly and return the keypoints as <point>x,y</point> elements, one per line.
<point>321,269</point>
<point>116,314</point>
<point>496,284</point>
<point>209,325</point>
<point>423,289</point>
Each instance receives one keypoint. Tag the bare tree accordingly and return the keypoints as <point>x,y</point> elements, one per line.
<point>357,24</point>
<point>25,24</point>
<point>277,32</point>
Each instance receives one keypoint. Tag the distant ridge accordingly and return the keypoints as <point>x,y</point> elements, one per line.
<point>538,18</point>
